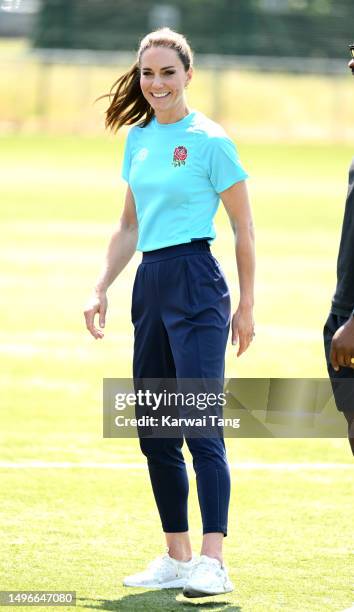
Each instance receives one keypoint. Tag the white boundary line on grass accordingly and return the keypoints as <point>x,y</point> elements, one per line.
<point>34,464</point>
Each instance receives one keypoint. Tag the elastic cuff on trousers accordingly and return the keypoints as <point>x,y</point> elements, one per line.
<point>173,529</point>
<point>214,530</point>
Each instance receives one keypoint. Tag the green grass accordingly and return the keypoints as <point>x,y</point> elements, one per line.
<point>255,105</point>
<point>62,197</point>
<point>83,529</point>
<point>76,530</point>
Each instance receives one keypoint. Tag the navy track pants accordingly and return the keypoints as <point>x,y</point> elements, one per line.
<point>343,392</point>
<point>181,317</point>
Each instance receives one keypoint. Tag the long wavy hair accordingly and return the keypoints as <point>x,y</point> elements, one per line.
<point>128,105</point>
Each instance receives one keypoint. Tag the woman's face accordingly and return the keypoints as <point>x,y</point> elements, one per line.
<point>163,78</point>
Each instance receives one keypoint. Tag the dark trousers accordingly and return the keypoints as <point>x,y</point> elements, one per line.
<point>181,317</point>
<point>343,390</point>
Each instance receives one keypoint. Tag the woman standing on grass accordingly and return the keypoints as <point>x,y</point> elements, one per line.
<point>177,164</point>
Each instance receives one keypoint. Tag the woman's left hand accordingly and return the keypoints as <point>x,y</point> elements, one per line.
<point>242,328</point>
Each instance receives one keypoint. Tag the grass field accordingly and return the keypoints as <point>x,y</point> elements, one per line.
<point>254,105</point>
<point>289,546</point>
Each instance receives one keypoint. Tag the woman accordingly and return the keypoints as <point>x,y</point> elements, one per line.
<point>178,163</point>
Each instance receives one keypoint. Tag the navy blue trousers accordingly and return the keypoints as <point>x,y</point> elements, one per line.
<point>343,389</point>
<point>181,317</point>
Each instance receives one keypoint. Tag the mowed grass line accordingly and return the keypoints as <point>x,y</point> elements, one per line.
<point>84,531</point>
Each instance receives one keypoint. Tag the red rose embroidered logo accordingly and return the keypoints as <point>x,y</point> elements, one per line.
<point>179,156</point>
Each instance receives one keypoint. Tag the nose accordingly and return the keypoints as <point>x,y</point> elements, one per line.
<point>157,81</point>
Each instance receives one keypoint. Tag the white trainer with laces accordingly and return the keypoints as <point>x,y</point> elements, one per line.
<point>162,573</point>
<point>208,577</point>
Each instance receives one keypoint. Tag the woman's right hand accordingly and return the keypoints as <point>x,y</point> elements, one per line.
<point>97,304</point>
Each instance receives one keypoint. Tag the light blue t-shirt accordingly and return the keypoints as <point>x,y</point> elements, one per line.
<point>176,172</point>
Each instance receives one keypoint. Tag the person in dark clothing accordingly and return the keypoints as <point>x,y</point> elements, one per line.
<point>339,328</point>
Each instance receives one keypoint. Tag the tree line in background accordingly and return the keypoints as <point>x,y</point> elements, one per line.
<point>299,28</point>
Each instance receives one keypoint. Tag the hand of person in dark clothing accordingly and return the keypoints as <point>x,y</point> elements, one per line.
<point>342,346</point>
<point>351,65</point>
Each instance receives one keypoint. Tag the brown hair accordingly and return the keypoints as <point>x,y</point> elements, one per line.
<point>129,105</point>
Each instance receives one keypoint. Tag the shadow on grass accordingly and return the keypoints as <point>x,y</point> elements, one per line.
<point>164,600</point>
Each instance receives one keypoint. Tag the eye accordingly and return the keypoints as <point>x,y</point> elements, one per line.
<point>145,73</point>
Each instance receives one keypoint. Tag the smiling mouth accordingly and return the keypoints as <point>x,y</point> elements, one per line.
<point>162,95</point>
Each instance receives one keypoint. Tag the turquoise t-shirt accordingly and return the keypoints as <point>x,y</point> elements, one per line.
<point>176,172</point>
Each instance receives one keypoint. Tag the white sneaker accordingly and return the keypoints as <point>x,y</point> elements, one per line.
<point>208,577</point>
<point>162,573</point>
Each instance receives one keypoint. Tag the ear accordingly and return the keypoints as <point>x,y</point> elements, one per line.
<point>189,75</point>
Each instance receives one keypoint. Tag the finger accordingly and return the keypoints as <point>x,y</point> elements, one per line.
<point>333,359</point>
<point>90,317</point>
<point>341,358</point>
<point>235,336</point>
<point>96,333</point>
<point>243,344</point>
<point>347,359</point>
<point>102,318</point>
<point>249,337</point>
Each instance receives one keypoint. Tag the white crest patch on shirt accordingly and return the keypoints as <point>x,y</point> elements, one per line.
<point>142,154</point>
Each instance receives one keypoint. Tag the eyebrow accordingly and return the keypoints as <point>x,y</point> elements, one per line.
<point>164,67</point>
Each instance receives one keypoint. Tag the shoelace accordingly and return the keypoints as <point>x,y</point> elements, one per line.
<point>204,567</point>
<point>161,563</point>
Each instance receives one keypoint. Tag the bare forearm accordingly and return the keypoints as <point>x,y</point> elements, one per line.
<point>245,259</point>
<point>121,249</point>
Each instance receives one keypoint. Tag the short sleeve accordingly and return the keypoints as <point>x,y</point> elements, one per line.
<point>223,164</point>
<point>127,156</point>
